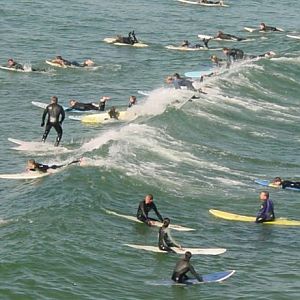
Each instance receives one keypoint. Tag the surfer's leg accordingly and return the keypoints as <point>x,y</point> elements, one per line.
<point>47,130</point>
<point>59,134</point>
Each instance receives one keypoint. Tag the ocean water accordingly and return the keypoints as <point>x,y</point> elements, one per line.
<point>58,242</point>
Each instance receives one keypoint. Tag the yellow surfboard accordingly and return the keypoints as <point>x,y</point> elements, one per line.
<point>104,117</point>
<point>112,40</point>
<point>234,217</point>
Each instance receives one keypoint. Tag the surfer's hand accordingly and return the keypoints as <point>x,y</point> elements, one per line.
<point>42,124</point>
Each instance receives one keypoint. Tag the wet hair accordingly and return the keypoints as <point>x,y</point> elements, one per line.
<point>263,24</point>
<point>59,57</point>
<point>150,196</point>
<point>133,98</point>
<point>265,192</point>
<point>187,255</point>
<point>10,59</point>
<point>277,179</point>
<point>54,99</point>
<point>31,161</point>
<point>176,75</point>
<point>166,222</point>
<point>225,49</point>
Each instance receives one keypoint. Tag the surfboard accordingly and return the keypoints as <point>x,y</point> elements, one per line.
<point>27,70</point>
<point>210,37</point>
<point>197,74</point>
<point>144,93</point>
<point>204,4</point>
<point>113,41</point>
<point>270,184</point>
<point>297,37</point>
<point>155,223</point>
<point>24,175</point>
<point>207,278</point>
<point>172,47</point>
<point>261,31</point>
<point>194,251</point>
<point>104,117</point>
<point>234,217</point>
<point>53,64</point>
<point>37,146</point>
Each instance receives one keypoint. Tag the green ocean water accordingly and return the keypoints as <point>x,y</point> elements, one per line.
<point>57,241</point>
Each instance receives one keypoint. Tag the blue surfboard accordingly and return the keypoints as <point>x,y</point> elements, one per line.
<point>213,277</point>
<point>269,184</point>
<point>198,74</point>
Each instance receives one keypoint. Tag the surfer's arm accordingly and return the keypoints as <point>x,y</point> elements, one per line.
<point>62,115</point>
<point>192,270</point>
<point>157,212</point>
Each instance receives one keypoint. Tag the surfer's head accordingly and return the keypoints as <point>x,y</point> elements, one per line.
<point>31,164</point>
<point>225,50</point>
<point>264,195</point>
<point>262,26</point>
<point>149,198</point>
<point>166,222</point>
<point>187,255</point>
<point>277,181</point>
<point>54,99</point>
<point>72,102</point>
<point>59,57</point>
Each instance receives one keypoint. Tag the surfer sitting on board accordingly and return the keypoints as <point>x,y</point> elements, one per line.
<point>179,82</point>
<point>225,36</point>
<point>144,208</point>
<point>132,101</point>
<point>34,166</point>
<point>113,113</point>
<point>285,183</point>
<point>264,27</point>
<point>54,111</point>
<point>131,39</point>
<point>165,240</point>
<point>14,65</point>
<point>266,212</point>
<point>182,267</point>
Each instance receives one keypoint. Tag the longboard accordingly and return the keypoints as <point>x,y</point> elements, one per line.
<point>155,223</point>
<point>36,146</point>
<point>195,251</point>
<point>114,42</point>
<point>250,29</point>
<point>27,70</point>
<point>172,47</point>
<point>197,74</point>
<point>270,184</point>
<point>297,37</point>
<point>212,38</point>
<point>234,217</point>
<point>104,117</point>
<point>24,175</point>
<point>56,65</point>
<point>204,4</point>
<point>207,278</point>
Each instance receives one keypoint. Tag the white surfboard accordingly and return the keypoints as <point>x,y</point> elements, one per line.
<point>144,93</point>
<point>37,147</point>
<point>156,223</point>
<point>27,70</point>
<point>113,41</point>
<point>24,175</point>
<point>194,251</point>
<point>179,48</point>
<point>250,29</point>
<point>297,37</point>
<point>204,4</point>
<point>209,37</point>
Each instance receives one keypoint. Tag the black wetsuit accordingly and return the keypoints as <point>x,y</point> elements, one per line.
<point>102,105</point>
<point>83,107</point>
<point>225,36</point>
<point>182,267</point>
<point>269,28</point>
<point>143,211</point>
<point>179,82</point>
<point>16,66</point>
<point>44,168</point>
<point>266,212</point>
<point>165,241</point>
<point>54,111</point>
<point>291,184</point>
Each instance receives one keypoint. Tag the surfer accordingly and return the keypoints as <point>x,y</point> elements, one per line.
<point>264,27</point>
<point>179,82</point>
<point>216,60</point>
<point>66,63</point>
<point>182,267</point>
<point>85,63</point>
<point>266,212</point>
<point>14,65</point>
<point>144,208</point>
<point>75,105</point>
<point>132,101</point>
<point>131,39</point>
<point>225,36</point>
<point>211,2</point>
<point>113,113</point>
<point>34,166</point>
<point>165,240</point>
<point>54,111</point>
<point>187,44</point>
<point>264,55</point>
<point>285,183</point>
<point>233,55</point>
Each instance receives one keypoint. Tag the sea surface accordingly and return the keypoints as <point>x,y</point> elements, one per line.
<point>57,240</point>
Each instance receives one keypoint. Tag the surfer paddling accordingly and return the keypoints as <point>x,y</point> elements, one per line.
<point>33,166</point>
<point>182,267</point>
<point>264,27</point>
<point>80,106</point>
<point>165,240</point>
<point>266,212</point>
<point>144,208</point>
<point>66,63</point>
<point>226,36</point>
<point>56,116</point>
<point>285,183</point>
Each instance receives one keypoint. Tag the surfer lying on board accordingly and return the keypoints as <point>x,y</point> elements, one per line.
<point>179,82</point>
<point>56,116</point>
<point>187,44</point>
<point>264,27</point>
<point>211,2</point>
<point>266,212</point>
<point>182,267</point>
<point>225,36</point>
<point>144,208</point>
<point>76,105</point>
<point>264,55</point>
<point>132,101</point>
<point>285,183</point>
<point>12,64</point>
<point>34,166</point>
<point>131,39</point>
<point>165,240</point>
<point>66,63</point>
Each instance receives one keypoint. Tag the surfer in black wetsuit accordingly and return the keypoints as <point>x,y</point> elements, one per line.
<point>131,39</point>
<point>233,55</point>
<point>266,212</point>
<point>211,2</point>
<point>132,101</point>
<point>186,44</point>
<point>144,208</point>
<point>75,105</point>
<point>179,82</point>
<point>286,183</point>
<point>263,27</point>
<point>54,111</point>
<point>165,240</point>
<point>113,113</point>
<point>182,267</point>
<point>14,65</point>
<point>34,166</point>
<point>225,36</point>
